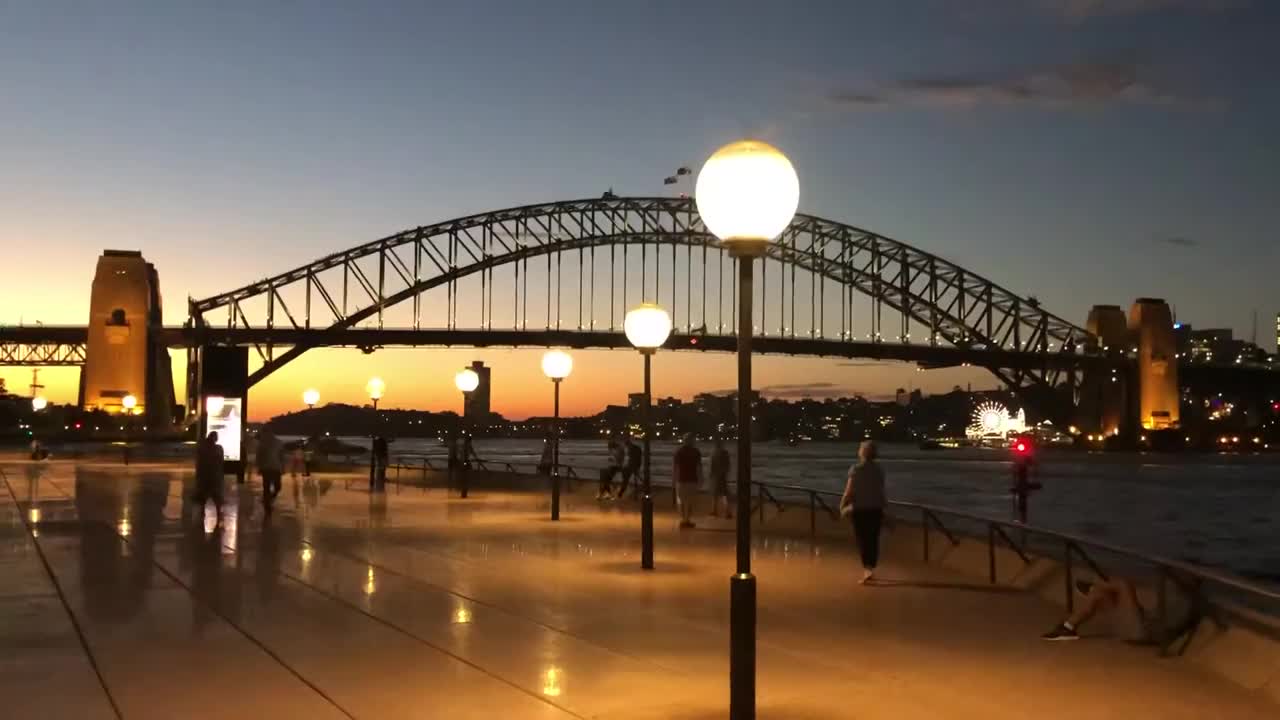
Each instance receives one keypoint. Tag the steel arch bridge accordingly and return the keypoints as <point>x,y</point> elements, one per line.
<point>578,265</point>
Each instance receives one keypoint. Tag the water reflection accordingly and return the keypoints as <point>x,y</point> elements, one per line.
<point>119,524</point>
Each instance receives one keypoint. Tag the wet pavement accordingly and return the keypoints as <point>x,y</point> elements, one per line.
<point>119,598</point>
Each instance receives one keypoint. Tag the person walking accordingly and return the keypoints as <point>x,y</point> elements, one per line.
<point>864,500</point>
<point>546,459</point>
<point>381,456</point>
<point>613,465</point>
<point>631,468</point>
<point>209,458</point>
<point>270,461</point>
<point>720,480</point>
<point>687,472</point>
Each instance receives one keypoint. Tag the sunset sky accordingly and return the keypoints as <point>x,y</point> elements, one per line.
<point>1084,151</point>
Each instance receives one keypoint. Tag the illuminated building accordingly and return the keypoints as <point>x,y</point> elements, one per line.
<point>1151,324</point>
<point>123,354</point>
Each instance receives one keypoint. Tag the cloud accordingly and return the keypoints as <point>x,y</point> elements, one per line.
<point>1079,10</point>
<point>1077,85</point>
<point>1179,241</point>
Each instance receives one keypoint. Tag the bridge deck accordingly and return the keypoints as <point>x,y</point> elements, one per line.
<point>430,606</point>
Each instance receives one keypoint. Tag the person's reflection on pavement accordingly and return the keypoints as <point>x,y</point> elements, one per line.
<point>267,568</point>
<point>202,549</point>
<point>111,593</point>
<point>377,510</point>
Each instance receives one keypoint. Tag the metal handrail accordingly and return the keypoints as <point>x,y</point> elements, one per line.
<point>1073,545</point>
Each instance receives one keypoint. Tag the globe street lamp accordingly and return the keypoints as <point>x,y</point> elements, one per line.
<point>129,402</point>
<point>39,403</point>
<point>557,365</point>
<point>747,193</point>
<point>375,387</point>
<point>647,327</point>
<point>466,380</point>
<point>310,397</point>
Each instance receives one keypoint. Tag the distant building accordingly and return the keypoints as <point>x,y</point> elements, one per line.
<point>476,409</point>
<point>1215,345</point>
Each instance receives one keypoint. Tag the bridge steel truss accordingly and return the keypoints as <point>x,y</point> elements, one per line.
<point>902,288</point>
<point>42,354</point>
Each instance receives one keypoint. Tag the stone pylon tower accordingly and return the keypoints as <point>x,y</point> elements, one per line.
<point>1151,326</point>
<point>124,354</point>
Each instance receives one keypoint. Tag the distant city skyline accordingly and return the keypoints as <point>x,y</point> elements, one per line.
<point>1079,152</point>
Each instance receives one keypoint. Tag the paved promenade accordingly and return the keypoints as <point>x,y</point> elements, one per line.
<point>422,605</point>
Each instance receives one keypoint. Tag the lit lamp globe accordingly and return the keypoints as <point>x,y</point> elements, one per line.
<point>647,326</point>
<point>557,364</point>
<point>39,403</point>
<point>466,380</point>
<point>747,193</point>
<point>311,397</point>
<point>375,387</point>
<point>129,402</point>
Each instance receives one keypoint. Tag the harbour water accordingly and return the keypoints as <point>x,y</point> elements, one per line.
<point>1221,511</point>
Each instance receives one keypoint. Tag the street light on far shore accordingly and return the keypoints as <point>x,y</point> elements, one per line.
<point>747,194</point>
<point>376,389</point>
<point>556,364</point>
<point>129,402</point>
<point>310,397</point>
<point>647,327</point>
<point>39,403</point>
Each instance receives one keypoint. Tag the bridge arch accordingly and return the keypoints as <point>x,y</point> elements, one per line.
<point>953,306</point>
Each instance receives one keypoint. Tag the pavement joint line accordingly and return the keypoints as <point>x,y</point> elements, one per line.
<point>413,579</point>
<point>66,606</point>
<point>409,634</point>
<point>216,611</point>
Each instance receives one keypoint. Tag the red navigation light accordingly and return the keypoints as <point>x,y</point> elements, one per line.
<point>1275,407</point>
<point>77,426</point>
<point>693,341</point>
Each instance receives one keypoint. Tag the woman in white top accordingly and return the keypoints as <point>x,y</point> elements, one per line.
<point>864,501</point>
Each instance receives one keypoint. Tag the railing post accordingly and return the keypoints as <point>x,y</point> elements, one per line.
<point>991,552</point>
<point>1066,566</point>
<point>924,526</point>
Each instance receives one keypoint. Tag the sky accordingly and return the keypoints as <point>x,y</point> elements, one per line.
<point>1083,151</point>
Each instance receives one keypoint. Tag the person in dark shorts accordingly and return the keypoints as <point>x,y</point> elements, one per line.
<point>1117,600</point>
<point>863,501</point>
<point>720,480</point>
<point>630,468</point>
<point>270,461</point>
<point>687,473</point>
<point>209,459</point>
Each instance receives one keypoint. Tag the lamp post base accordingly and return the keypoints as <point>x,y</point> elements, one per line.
<point>742,646</point>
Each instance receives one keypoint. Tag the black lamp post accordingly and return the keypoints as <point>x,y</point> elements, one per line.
<point>556,364</point>
<point>647,326</point>
<point>746,194</point>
